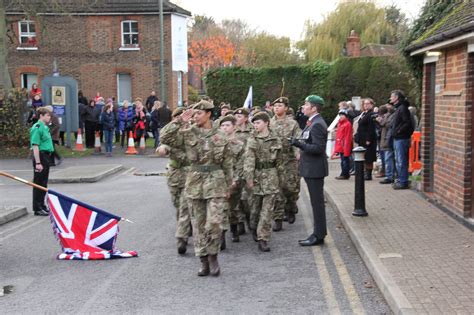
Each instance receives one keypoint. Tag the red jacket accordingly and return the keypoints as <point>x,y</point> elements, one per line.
<point>344,138</point>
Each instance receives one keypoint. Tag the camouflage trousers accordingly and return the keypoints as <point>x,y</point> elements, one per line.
<point>290,191</point>
<point>207,218</point>
<point>245,204</point>
<point>231,211</point>
<point>183,218</point>
<point>261,215</point>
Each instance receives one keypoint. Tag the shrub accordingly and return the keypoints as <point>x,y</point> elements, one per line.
<point>13,129</point>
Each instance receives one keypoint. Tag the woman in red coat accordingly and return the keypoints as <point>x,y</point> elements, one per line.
<point>343,146</point>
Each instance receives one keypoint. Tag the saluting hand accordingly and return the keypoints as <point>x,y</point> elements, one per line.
<point>187,115</point>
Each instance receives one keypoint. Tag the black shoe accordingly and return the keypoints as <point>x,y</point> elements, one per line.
<point>223,244</point>
<point>263,246</point>
<point>278,225</point>
<point>182,246</point>
<point>312,240</point>
<point>399,186</point>
<point>235,234</point>
<point>291,217</point>
<point>386,181</point>
<point>342,177</point>
<point>241,228</point>
<point>41,213</point>
<point>296,209</point>
<point>254,235</point>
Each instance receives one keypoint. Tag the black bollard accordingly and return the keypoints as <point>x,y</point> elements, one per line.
<point>359,197</point>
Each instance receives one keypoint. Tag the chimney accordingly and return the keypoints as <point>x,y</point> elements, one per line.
<point>353,45</point>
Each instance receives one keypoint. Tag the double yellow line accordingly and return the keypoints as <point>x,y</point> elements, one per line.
<point>342,272</point>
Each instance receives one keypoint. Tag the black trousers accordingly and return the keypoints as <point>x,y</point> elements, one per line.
<point>90,133</point>
<point>41,178</point>
<point>316,196</point>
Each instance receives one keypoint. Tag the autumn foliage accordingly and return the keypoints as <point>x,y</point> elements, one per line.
<point>211,52</point>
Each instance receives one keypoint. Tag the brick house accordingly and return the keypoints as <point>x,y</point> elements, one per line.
<point>447,113</point>
<point>111,47</point>
<point>353,49</point>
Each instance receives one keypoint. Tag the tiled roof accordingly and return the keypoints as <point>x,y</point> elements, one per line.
<point>378,50</point>
<point>458,22</point>
<point>93,6</point>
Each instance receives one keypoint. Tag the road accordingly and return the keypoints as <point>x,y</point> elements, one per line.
<point>289,279</point>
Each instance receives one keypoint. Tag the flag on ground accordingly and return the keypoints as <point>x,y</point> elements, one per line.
<point>84,232</point>
<point>248,101</point>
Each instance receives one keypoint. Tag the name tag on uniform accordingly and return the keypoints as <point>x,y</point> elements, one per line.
<point>305,135</point>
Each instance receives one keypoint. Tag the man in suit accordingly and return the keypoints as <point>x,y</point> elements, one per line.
<point>313,165</point>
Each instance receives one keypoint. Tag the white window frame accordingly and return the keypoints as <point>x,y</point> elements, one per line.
<point>129,33</point>
<point>27,34</point>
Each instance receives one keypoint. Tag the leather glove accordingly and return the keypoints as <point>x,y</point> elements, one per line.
<point>295,142</point>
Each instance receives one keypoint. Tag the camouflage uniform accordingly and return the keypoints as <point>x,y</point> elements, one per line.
<point>243,208</point>
<point>237,149</point>
<point>176,177</point>
<point>263,165</point>
<point>207,183</point>
<point>287,128</point>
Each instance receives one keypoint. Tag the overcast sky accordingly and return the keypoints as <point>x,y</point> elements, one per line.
<point>280,17</point>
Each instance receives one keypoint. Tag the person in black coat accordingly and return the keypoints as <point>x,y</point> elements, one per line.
<point>366,136</point>
<point>313,165</point>
<point>90,117</point>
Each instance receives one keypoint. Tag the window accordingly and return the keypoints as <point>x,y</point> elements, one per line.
<point>27,33</point>
<point>124,87</point>
<point>129,33</point>
<point>27,80</point>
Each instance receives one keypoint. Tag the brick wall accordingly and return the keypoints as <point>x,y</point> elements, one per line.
<point>452,181</point>
<point>87,48</point>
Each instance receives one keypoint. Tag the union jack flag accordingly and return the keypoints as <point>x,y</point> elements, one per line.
<point>84,232</point>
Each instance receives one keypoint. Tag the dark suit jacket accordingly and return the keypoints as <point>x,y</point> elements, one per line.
<point>313,161</point>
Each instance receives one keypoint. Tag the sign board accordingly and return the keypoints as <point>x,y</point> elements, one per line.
<point>357,102</point>
<point>179,43</point>
<point>58,95</point>
<point>61,93</point>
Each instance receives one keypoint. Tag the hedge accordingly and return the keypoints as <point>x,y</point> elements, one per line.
<point>13,111</point>
<point>371,77</point>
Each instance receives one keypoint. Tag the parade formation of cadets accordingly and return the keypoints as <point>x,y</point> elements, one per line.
<point>236,171</point>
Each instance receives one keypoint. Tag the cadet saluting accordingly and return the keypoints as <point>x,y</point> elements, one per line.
<point>42,145</point>
<point>208,182</point>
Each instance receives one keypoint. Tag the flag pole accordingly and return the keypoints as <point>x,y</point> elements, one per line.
<point>24,181</point>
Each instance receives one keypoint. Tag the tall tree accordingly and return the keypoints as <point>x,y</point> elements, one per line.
<point>326,40</point>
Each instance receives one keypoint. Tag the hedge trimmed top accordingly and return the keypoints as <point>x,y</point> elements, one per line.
<point>373,77</point>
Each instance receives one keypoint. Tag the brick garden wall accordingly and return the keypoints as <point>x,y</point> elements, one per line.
<point>87,48</point>
<point>452,183</point>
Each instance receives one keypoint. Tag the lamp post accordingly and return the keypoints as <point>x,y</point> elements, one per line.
<point>359,197</point>
<point>162,56</point>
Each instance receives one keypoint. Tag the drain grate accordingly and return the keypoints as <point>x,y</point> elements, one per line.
<point>149,174</point>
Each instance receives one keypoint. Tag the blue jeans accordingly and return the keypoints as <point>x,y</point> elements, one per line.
<point>156,135</point>
<point>345,166</point>
<point>108,134</point>
<point>401,147</point>
<point>388,157</point>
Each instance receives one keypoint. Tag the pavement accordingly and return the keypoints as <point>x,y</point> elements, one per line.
<point>288,280</point>
<point>421,258</point>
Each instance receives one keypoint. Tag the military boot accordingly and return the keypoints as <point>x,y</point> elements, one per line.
<point>278,225</point>
<point>190,233</point>
<point>182,246</point>
<point>263,246</point>
<point>241,228</point>
<point>214,265</point>
<point>235,233</point>
<point>223,244</point>
<point>204,270</point>
<point>291,217</point>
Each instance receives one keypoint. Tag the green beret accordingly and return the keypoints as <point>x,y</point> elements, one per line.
<point>242,110</point>
<point>315,99</point>
<point>227,118</point>
<point>177,112</point>
<point>282,99</point>
<point>203,105</point>
<point>261,116</point>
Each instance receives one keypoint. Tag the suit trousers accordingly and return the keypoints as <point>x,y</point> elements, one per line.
<point>316,196</point>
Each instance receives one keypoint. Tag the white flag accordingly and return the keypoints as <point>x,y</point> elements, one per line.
<point>248,100</point>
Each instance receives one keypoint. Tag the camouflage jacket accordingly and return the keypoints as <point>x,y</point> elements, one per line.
<point>210,171</point>
<point>264,163</point>
<point>237,148</point>
<point>174,144</point>
<point>245,133</point>
<point>286,128</point>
